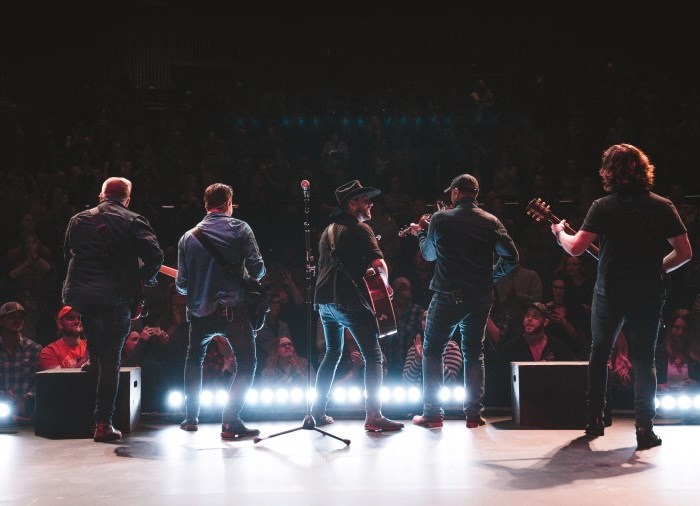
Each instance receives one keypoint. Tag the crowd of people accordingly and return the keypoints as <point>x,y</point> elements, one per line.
<point>408,146</point>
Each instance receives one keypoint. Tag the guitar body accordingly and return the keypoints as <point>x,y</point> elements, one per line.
<point>381,303</point>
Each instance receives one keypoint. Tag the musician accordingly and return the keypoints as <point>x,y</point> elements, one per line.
<point>348,247</point>
<point>462,242</point>
<point>635,227</point>
<point>104,247</point>
<point>216,305</point>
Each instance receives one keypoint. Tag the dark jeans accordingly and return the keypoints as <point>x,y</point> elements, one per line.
<point>641,317</point>
<point>444,317</point>
<point>106,328</point>
<point>240,334</point>
<point>363,328</point>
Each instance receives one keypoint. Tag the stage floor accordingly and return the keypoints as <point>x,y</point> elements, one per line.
<point>497,464</point>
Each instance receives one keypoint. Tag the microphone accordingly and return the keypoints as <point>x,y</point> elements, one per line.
<point>306,188</point>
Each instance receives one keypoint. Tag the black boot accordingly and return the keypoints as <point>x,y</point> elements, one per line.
<point>595,427</point>
<point>646,438</point>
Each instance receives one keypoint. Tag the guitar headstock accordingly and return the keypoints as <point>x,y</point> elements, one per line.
<point>539,210</point>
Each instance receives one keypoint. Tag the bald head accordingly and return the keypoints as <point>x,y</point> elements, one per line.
<point>116,188</point>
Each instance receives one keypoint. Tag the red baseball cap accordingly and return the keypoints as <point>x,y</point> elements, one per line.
<point>64,311</point>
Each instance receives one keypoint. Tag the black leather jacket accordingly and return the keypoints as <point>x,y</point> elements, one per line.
<point>103,266</point>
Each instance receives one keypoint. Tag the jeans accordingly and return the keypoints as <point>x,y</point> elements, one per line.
<point>240,335</point>
<point>363,328</point>
<point>444,317</point>
<point>642,317</point>
<point>106,328</point>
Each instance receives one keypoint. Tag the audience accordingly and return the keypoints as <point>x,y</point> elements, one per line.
<point>70,349</point>
<point>19,357</point>
<point>284,368</point>
<point>451,358</point>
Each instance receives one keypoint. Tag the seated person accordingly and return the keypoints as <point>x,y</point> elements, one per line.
<point>274,328</point>
<point>137,341</point>
<point>533,345</point>
<point>451,357</point>
<point>570,322</point>
<point>678,355</point>
<point>219,365</point>
<point>284,367</point>
<point>70,349</point>
<point>18,362</point>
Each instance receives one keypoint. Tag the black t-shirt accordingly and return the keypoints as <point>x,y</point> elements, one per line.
<point>633,231</point>
<point>355,249</point>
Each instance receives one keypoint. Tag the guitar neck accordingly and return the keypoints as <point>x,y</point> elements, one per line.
<point>593,250</point>
<point>168,271</point>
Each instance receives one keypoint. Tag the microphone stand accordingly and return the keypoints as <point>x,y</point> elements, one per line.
<point>309,422</point>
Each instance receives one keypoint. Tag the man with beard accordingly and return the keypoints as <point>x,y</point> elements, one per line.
<point>347,249</point>
<point>69,350</point>
<point>534,345</point>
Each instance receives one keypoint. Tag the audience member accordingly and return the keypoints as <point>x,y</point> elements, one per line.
<point>70,349</point>
<point>271,331</point>
<point>451,359</point>
<point>408,323</point>
<point>678,355</point>
<point>284,367</point>
<point>570,322</point>
<point>18,361</point>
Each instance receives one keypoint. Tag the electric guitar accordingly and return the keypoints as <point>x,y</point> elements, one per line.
<point>539,210</point>
<point>380,301</point>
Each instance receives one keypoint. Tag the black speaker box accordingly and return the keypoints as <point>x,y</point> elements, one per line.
<point>65,402</point>
<point>549,395</point>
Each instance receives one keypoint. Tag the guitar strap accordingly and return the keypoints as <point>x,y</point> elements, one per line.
<point>216,254</point>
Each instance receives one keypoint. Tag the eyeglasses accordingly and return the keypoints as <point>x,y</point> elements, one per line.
<point>286,345</point>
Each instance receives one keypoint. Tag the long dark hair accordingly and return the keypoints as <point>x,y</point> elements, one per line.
<point>626,168</point>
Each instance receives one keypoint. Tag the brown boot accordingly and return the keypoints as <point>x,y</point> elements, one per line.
<point>381,424</point>
<point>104,432</point>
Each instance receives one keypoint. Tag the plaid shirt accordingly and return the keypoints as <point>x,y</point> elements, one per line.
<point>17,371</point>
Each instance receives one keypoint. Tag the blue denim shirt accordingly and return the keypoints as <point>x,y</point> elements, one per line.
<point>201,278</point>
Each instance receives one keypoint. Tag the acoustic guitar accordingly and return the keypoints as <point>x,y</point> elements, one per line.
<point>539,210</point>
<point>380,302</point>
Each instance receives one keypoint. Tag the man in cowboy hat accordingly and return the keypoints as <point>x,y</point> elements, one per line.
<point>348,247</point>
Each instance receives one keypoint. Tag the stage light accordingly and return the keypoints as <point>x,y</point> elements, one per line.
<point>297,395</point>
<point>657,403</point>
<point>5,410</point>
<point>398,395</point>
<point>696,402</point>
<point>684,402</point>
<point>311,395</point>
<point>445,394</point>
<point>221,397</point>
<point>282,396</point>
<point>385,394</point>
<point>459,394</point>
<point>340,395</point>
<point>175,400</point>
<point>355,395</point>
<point>267,396</point>
<point>668,402</point>
<point>414,394</point>
<point>206,398</point>
<point>252,397</point>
